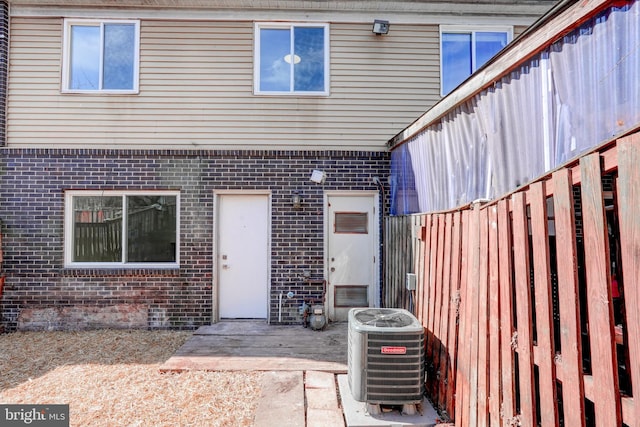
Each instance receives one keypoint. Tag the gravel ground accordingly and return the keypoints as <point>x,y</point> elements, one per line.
<point>111,378</point>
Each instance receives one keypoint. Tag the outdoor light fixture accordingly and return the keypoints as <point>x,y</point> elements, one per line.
<point>318,176</point>
<point>296,200</point>
<point>380,27</point>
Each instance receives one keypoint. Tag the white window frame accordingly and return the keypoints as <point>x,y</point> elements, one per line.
<point>66,55</point>
<point>290,25</point>
<point>472,30</point>
<point>69,227</point>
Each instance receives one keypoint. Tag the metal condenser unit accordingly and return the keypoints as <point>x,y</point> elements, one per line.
<point>386,360</point>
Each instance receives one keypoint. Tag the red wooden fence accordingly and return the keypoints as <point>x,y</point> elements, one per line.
<point>516,299</point>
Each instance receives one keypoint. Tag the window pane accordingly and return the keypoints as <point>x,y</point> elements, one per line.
<point>119,56</point>
<point>487,45</point>
<point>275,71</point>
<point>97,229</point>
<point>309,47</point>
<point>456,60</point>
<point>84,63</point>
<point>151,228</point>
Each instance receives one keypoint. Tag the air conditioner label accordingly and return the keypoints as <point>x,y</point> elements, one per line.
<point>393,350</point>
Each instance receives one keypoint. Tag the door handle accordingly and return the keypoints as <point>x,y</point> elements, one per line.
<point>225,266</point>
<point>333,269</point>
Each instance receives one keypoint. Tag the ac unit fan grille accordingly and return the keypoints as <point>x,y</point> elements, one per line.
<point>382,317</point>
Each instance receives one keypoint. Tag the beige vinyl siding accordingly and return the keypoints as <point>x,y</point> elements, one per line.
<point>196,91</point>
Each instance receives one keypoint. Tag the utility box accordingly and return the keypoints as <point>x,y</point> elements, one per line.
<point>411,281</point>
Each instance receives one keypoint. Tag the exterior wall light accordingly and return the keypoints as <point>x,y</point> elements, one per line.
<point>296,200</point>
<point>380,27</point>
<point>318,176</point>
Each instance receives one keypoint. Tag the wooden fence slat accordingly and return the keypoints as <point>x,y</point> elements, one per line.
<point>454,331</point>
<point>472,312</point>
<point>629,201</point>
<point>409,245</point>
<point>408,263</point>
<point>544,306</point>
<point>494,319</point>
<point>462,375</point>
<point>523,309</point>
<point>445,315</point>
<point>599,300</point>
<point>569,301</point>
<point>483,320</point>
<point>385,259</point>
<point>506,314</point>
<point>388,248</point>
<point>432,278</point>
<point>424,281</point>
<point>418,247</point>
<point>437,315</point>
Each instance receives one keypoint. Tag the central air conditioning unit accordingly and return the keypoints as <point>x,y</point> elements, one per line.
<point>385,356</point>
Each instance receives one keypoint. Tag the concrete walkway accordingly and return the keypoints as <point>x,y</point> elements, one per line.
<point>295,399</point>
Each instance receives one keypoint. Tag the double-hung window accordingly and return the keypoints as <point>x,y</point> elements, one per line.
<point>101,56</point>
<point>291,59</point>
<point>122,229</point>
<point>464,50</point>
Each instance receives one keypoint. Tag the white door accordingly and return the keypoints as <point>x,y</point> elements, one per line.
<point>243,255</point>
<point>352,258</point>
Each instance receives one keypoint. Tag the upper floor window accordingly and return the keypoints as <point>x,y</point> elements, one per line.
<point>101,56</point>
<point>291,59</point>
<point>127,229</point>
<point>464,50</point>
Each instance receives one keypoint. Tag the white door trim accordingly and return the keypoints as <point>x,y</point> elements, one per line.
<point>215,309</point>
<point>376,237</point>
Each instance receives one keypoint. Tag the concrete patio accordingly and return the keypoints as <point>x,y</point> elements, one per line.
<point>303,369</point>
<point>257,346</point>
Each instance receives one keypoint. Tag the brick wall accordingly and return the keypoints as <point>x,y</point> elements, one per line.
<point>32,210</point>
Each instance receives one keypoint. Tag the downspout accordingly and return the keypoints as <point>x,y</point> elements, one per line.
<point>380,187</point>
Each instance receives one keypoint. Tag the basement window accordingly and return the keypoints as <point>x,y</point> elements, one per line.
<point>129,229</point>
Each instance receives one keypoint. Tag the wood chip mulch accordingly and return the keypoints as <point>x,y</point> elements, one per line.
<point>112,378</point>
